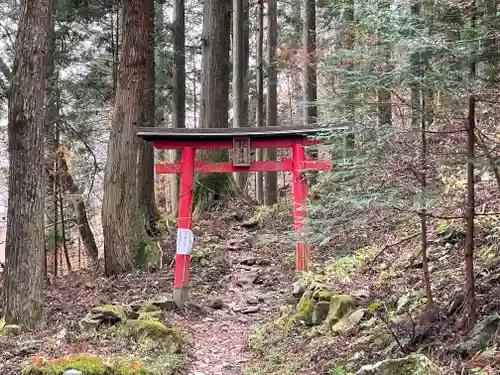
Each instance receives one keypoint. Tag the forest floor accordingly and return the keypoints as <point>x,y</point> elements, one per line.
<point>241,283</point>
<point>232,289</point>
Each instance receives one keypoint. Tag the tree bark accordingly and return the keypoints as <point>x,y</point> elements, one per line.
<point>271,194</point>
<point>214,104</point>
<point>25,228</point>
<point>259,115</point>
<point>239,91</point>
<point>146,154</point>
<point>215,64</point>
<point>122,226</point>
<point>310,80</point>
<point>471,200</point>
<point>179,89</point>
<point>349,42</point>
<point>78,201</point>
<point>384,94</point>
<point>310,86</point>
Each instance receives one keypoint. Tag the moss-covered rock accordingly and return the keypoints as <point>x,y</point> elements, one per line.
<point>158,315</point>
<point>324,295</point>
<point>320,312</point>
<point>340,305</point>
<point>164,304</point>
<point>298,288</point>
<point>153,330</point>
<point>88,365</point>
<point>416,364</point>
<point>105,315</point>
<point>11,330</point>
<point>480,336</point>
<point>304,310</point>
<point>349,321</point>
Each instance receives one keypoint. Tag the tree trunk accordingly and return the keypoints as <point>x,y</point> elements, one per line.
<point>309,41</point>
<point>24,240</point>
<point>122,227</point>
<point>471,200</point>
<point>51,144</point>
<point>469,246</point>
<point>310,81</point>
<point>239,91</point>
<point>179,90</point>
<point>215,65</point>
<point>349,41</point>
<point>259,115</point>
<point>415,69</point>
<point>78,201</point>
<point>146,154</point>
<point>384,94</point>
<point>426,124</point>
<point>214,104</point>
<point>271,195</point>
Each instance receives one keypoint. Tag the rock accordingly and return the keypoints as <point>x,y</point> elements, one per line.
<point>340,305</point>
<point>166,304</point>
<point>86,365</point>
<point>167,337</point>
<point>216,303</point>
<point>480,336</point>
<point>158,315</point>
<point>252,301</point>
<point>104,315</point>
<point>320,312</point>
<point>246,279</point>
<point>249,261</point>
<point>324,295</point>
<point>195,308</point>
<point>11,329</point>
<point>250,223</point>
<point>264,262</point>
<point>403,303</point>
<point>251,310</point>
<point>362,294</point>
<point>298,289</point>
<point>136,305</point>
<point>416,364</point>
<point>315,286</point>
<point>348,322</point>
<point>148,307</point>
<point>304,309</point>
<point>255,261</point>
<point>236,245</point>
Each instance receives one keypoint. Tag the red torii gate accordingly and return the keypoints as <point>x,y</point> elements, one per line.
<point>241,141</point>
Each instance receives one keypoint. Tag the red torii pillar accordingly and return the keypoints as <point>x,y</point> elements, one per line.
<point>240,141</point>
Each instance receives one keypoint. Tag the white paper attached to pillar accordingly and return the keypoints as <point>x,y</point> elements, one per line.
<point>185,241</point>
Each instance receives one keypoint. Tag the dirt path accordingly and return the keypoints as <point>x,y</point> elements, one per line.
<point>251,294</point>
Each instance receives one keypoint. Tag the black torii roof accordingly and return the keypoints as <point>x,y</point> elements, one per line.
<point>219,134</point>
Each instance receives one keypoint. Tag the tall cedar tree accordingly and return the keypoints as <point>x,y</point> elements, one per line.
<point>271,194</point>
<point>179,87</point>
<point>239,92</point>
<point>25,243</point>
<point>215,64</point>
<point>122,225</point>
<point>145,166</point>
<point>259,112</point>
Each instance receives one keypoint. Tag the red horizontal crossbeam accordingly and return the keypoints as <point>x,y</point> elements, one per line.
<point>228,144</point>
<point>202,166</point>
